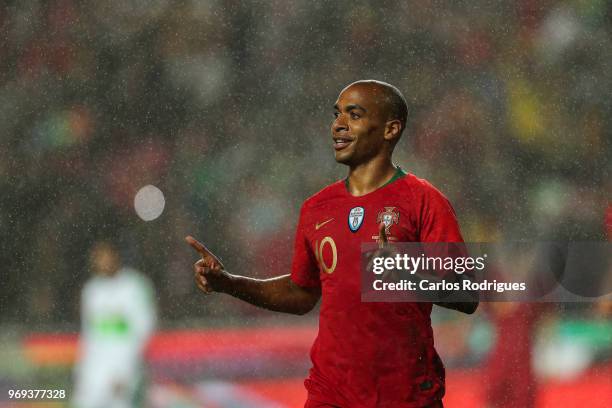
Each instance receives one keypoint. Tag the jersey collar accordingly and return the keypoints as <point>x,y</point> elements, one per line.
<point>399,173</point>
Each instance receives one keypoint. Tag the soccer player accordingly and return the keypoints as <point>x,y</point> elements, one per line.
<point>365,354</point>
<point>118,318</point>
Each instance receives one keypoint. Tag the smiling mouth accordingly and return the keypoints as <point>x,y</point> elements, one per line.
<point>341,143</point>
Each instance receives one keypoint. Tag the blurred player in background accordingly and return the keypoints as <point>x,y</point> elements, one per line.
<point>366,354</point>
<point>117,317</point>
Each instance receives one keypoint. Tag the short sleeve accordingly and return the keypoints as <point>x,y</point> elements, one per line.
<point>439,225</point>
<point>304,270</point>
<point>438,219</point>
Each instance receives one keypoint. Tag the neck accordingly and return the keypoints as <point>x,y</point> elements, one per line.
<point>367,177</point>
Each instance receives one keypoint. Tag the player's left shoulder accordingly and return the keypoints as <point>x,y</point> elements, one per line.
<point>134,277</point>
<point>422,188</point>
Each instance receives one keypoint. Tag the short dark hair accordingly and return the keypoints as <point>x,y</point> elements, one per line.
<point>398,108</point>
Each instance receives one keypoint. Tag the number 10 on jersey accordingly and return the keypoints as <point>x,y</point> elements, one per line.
<point>329,241</point>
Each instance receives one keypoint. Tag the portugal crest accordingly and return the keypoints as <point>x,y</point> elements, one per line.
<point>389,216</point>
<point>355,218</point>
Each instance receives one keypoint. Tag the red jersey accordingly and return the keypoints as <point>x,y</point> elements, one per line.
<point>370,354</point>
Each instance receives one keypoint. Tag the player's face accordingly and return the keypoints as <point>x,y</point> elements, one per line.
<point>104,260</point>
<point>359,125</point>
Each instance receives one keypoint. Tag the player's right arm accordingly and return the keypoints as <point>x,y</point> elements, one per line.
<point>279,294</point>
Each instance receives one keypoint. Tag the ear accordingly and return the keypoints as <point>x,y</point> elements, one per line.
<point>393,129</point>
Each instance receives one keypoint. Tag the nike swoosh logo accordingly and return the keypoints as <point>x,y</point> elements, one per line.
<point>317,226</point>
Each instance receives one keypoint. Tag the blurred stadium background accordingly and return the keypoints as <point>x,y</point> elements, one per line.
<point>226,106</point>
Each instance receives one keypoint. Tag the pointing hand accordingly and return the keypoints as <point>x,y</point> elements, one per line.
<point>209,271</point>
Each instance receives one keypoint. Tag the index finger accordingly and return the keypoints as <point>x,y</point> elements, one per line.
<point>197,245</point>
<point>201,248</point>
